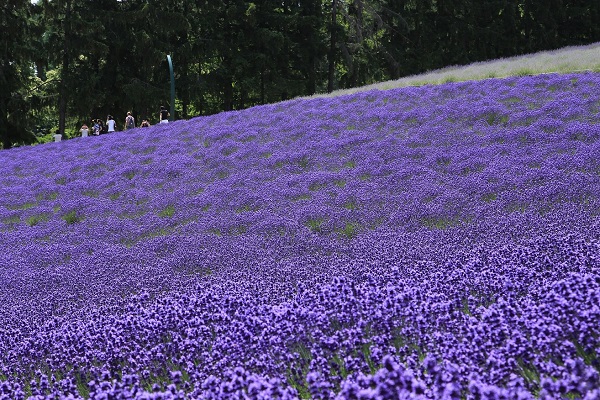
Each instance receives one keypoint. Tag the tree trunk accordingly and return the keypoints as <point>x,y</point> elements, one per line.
<point>312,79</point>
<point>332,47</point>
<point>4,133</point>
<point>62,102</point>
<point>262,87</point>
<point>4,129</point>
<point>228,95</point>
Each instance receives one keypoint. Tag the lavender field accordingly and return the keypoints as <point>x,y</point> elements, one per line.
<point>434,242</point>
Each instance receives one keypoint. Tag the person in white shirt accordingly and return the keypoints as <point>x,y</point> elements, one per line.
<point>111,124</point>
<point>84,130</point>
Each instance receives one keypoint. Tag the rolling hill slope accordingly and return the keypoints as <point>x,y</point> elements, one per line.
<point>435,241</point>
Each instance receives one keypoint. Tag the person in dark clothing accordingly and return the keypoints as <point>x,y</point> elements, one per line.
<point>103,127</point>
<point>163,115</point>
<point>96,128</point>
<point>129,121</point>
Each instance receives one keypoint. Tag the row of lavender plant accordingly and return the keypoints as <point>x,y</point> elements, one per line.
<point>439,241</point>
<point>488,326</point>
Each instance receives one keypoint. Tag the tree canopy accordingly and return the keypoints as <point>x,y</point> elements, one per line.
<point>64,62</point>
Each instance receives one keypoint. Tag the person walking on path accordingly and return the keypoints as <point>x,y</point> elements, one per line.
<point>129,121</point>
<point>163,115</point>
<point>111,124</point>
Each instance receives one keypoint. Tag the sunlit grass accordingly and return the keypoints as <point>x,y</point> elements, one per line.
<point>568,59</point>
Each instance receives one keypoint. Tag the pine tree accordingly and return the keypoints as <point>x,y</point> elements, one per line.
<point>15,72</point>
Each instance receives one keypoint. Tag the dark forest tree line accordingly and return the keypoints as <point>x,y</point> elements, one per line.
<point>63,62</point>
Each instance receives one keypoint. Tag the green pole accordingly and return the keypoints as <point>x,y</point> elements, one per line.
<point>172,88</point>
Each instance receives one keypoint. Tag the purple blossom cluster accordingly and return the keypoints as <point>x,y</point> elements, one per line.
<point>435,242</point>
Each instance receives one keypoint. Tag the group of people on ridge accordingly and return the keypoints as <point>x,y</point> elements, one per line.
<point>100,127</point>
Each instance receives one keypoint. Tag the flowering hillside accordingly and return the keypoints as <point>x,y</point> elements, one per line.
<point>428,242</point>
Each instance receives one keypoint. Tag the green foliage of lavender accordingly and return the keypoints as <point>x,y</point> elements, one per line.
<point>427,242</point>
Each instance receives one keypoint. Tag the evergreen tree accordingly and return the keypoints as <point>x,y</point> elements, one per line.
<point>63,62</point>
<point>15,72</point>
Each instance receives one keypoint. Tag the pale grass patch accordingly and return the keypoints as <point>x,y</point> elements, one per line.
<point>565,60</point>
